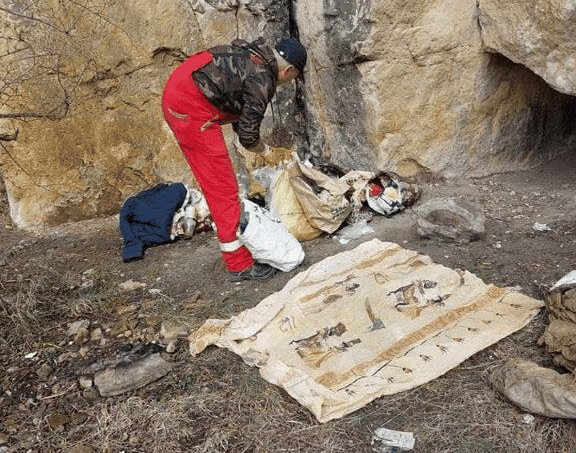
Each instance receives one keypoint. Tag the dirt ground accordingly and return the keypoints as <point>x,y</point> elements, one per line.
<point>216,403</point>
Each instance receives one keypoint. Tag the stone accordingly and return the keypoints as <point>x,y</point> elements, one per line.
<point>536,34</point>
<point>119,380</point>
<point>85,382</point>
<point>449,219</point>
<point>81,448</point>
<point>96,334</point>
<point>77,326</point>
<point>44,372</point>
<point>170,332</point>
<point>77,418</point>
<point>57,421</point>
<point>131,285</point>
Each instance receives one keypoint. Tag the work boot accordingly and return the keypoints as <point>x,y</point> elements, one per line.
<point>258,271</point>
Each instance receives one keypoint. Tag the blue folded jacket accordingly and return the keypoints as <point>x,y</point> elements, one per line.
<point>146,218</point>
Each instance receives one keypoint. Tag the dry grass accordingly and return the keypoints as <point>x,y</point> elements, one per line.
<point>215,403</point>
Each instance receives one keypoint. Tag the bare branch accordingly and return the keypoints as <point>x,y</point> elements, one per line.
<point>23,170</point>
<point>23,16</point>
<point>36,115</point>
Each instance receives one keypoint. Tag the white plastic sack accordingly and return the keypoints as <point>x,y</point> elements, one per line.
<point>268,239</point>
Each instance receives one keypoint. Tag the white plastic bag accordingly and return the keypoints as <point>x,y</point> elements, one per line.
<point>268,239</point>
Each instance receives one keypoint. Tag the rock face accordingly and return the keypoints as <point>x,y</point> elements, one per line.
<point>401,87</point>
<point>80,118</point>
<point>389,86</point>
<point>537,34</point>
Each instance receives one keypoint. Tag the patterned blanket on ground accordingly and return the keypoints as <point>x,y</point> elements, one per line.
<point>372,321</point>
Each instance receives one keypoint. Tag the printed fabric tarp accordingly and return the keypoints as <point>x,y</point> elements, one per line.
<point>373,321</point>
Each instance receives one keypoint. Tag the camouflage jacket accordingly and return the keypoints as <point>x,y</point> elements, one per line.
<point>240,80</point>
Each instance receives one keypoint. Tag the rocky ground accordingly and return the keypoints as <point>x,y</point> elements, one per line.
<point>70,307</point>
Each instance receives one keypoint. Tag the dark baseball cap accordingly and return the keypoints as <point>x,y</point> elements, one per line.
<point>293,52</point>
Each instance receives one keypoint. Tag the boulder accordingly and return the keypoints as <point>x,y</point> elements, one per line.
<point>450,219</point>
<point>537,34</point>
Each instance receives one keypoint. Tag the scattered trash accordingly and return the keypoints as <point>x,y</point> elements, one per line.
<point>559,336</point>
<point>285,204</point>
<point>192,217</point>
<point>388,441</point>
<point>536,389</point>
<point>323,199</point>
<point>354,231</point>
<point>541,390</point>
<point>388,194</point>
<point>540,227</point>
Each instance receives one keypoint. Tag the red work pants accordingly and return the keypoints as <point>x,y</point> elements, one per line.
<point>195,123</point>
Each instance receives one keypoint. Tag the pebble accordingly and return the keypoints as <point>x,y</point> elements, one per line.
<point>44,371</point>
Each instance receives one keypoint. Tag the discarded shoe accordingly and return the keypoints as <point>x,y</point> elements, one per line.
<point>258,271</point>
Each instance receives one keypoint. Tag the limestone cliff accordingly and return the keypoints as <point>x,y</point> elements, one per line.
<point>430,86</point>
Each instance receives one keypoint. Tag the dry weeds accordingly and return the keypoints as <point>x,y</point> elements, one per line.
<point>214,402</point>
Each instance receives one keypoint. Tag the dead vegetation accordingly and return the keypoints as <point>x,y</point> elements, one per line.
<point>216,403</point>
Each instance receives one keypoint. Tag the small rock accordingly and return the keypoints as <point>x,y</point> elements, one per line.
<point>134,376</point>
<point>169,332</point>
<point>87,284</point>
<point>85,382</point>
<point>91,394</point>
<point>76,326</point>
<point>152,320</point>
<point>57,421</point>
<point>450,219</point>
<point>77,418</point>
<point>81,448</point>
<point>4,438</point>
<point>131,285</point>
<point>44,371</point>
<point>96,334</point>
